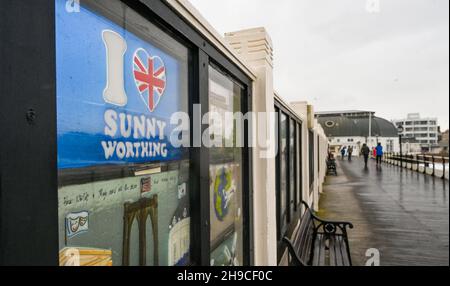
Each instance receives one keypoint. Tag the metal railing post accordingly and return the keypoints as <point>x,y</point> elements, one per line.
<point>434,166</point>
<point>443,169</point>
<point>425,164</point>
<point>417,162</point>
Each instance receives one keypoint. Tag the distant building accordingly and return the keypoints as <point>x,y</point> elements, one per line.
<point>356,127</point>
<point>443,144</point>
<point>411,146</point>
<point>444,136</point>
<point>424,130</point>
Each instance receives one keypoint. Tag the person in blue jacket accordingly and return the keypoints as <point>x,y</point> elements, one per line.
<point>343,151</point>
<point>379,149</point>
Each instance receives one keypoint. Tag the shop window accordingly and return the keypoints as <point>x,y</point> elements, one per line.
<point>299,165</point>
<point>311,160</point>
<point>283,172</point>
<point>288,174</point>
<point>292,169</point>
<point>226,167</point>
<point>318,155</point>
<point>123,187</point>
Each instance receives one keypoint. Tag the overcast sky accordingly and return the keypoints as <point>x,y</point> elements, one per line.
<point>340,55</point>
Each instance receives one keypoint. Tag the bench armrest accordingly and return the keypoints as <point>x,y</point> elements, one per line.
<point>343,224</point>
<point>290,246</point>
<point>332,225</point>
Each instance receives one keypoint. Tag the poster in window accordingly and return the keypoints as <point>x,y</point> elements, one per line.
<point>116,92</point>
<point>225,208</point>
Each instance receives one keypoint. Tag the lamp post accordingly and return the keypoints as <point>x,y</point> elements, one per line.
<point>400,133</point>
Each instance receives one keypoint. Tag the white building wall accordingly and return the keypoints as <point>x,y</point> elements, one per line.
<point>301,109</point>
<point>411,148</point>
<point>320,155</point>
<point>324,144</point>
<point>390,144</point>
<point>255,47</point>
<point>251,51</point>
<point>306,112</point>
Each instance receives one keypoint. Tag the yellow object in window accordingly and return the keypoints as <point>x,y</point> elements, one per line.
<point>74,256</point>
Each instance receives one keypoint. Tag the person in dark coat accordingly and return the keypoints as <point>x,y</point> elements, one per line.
<point>365,151</point>
<point>350,152</point>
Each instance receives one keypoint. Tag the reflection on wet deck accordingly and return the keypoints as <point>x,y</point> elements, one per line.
<point>403,214</point>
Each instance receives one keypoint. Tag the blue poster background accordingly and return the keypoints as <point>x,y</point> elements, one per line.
<point>81,80</point>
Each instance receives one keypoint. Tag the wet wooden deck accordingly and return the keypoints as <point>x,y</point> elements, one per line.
<point>403,214</point>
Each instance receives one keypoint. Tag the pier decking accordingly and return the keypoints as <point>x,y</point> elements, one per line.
<point>403,214</point>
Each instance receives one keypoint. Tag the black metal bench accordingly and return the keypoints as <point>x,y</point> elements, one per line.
<point>318,242</point>
<point>331,167</point>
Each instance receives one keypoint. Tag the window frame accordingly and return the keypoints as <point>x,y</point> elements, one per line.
<point>246,165</point>
<point>311,159</point>
<point>292,216</point>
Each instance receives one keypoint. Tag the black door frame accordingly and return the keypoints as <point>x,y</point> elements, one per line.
<point>28,149</point>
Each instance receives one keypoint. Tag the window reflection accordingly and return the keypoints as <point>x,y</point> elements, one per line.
<point>225,175</point>
<point>130,206</point>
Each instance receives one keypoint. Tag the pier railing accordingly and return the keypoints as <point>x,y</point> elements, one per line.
<point>436,166</point>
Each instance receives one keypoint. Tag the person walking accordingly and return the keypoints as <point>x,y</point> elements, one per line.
<point>374,153</point>
<point>379,150</point>
<point>350,153</point>
<point>365,151</point>
<point>343,151</point>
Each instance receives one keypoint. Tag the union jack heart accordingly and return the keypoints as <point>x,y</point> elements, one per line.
<point>150,77</point>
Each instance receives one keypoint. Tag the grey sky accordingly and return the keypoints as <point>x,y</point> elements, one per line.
<point>337,55</point>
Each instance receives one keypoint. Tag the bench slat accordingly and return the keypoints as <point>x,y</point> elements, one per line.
<point>322,251</point>
<point>319,251</point>
<point>344,252</point>
<point>309,244</point>
<point>338,251</point>
<point>315,261</point>
<point>333,261</point>
<point>303,225</point>
<point>304,242</point>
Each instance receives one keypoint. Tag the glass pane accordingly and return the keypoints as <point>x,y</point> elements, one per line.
<point>299,165</point>
<point>123,187</point>
<point>292,176</point>
<point>312,171</point>
<point>283,165</point>
<point>225,174</point>
<point>277,173</point>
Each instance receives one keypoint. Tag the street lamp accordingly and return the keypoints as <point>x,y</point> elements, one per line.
<point>400,133</point>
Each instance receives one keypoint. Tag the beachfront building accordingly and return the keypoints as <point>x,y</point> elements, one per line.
<point>356,127</point>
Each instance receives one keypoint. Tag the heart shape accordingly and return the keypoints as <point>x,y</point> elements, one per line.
<point>150,77</point>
